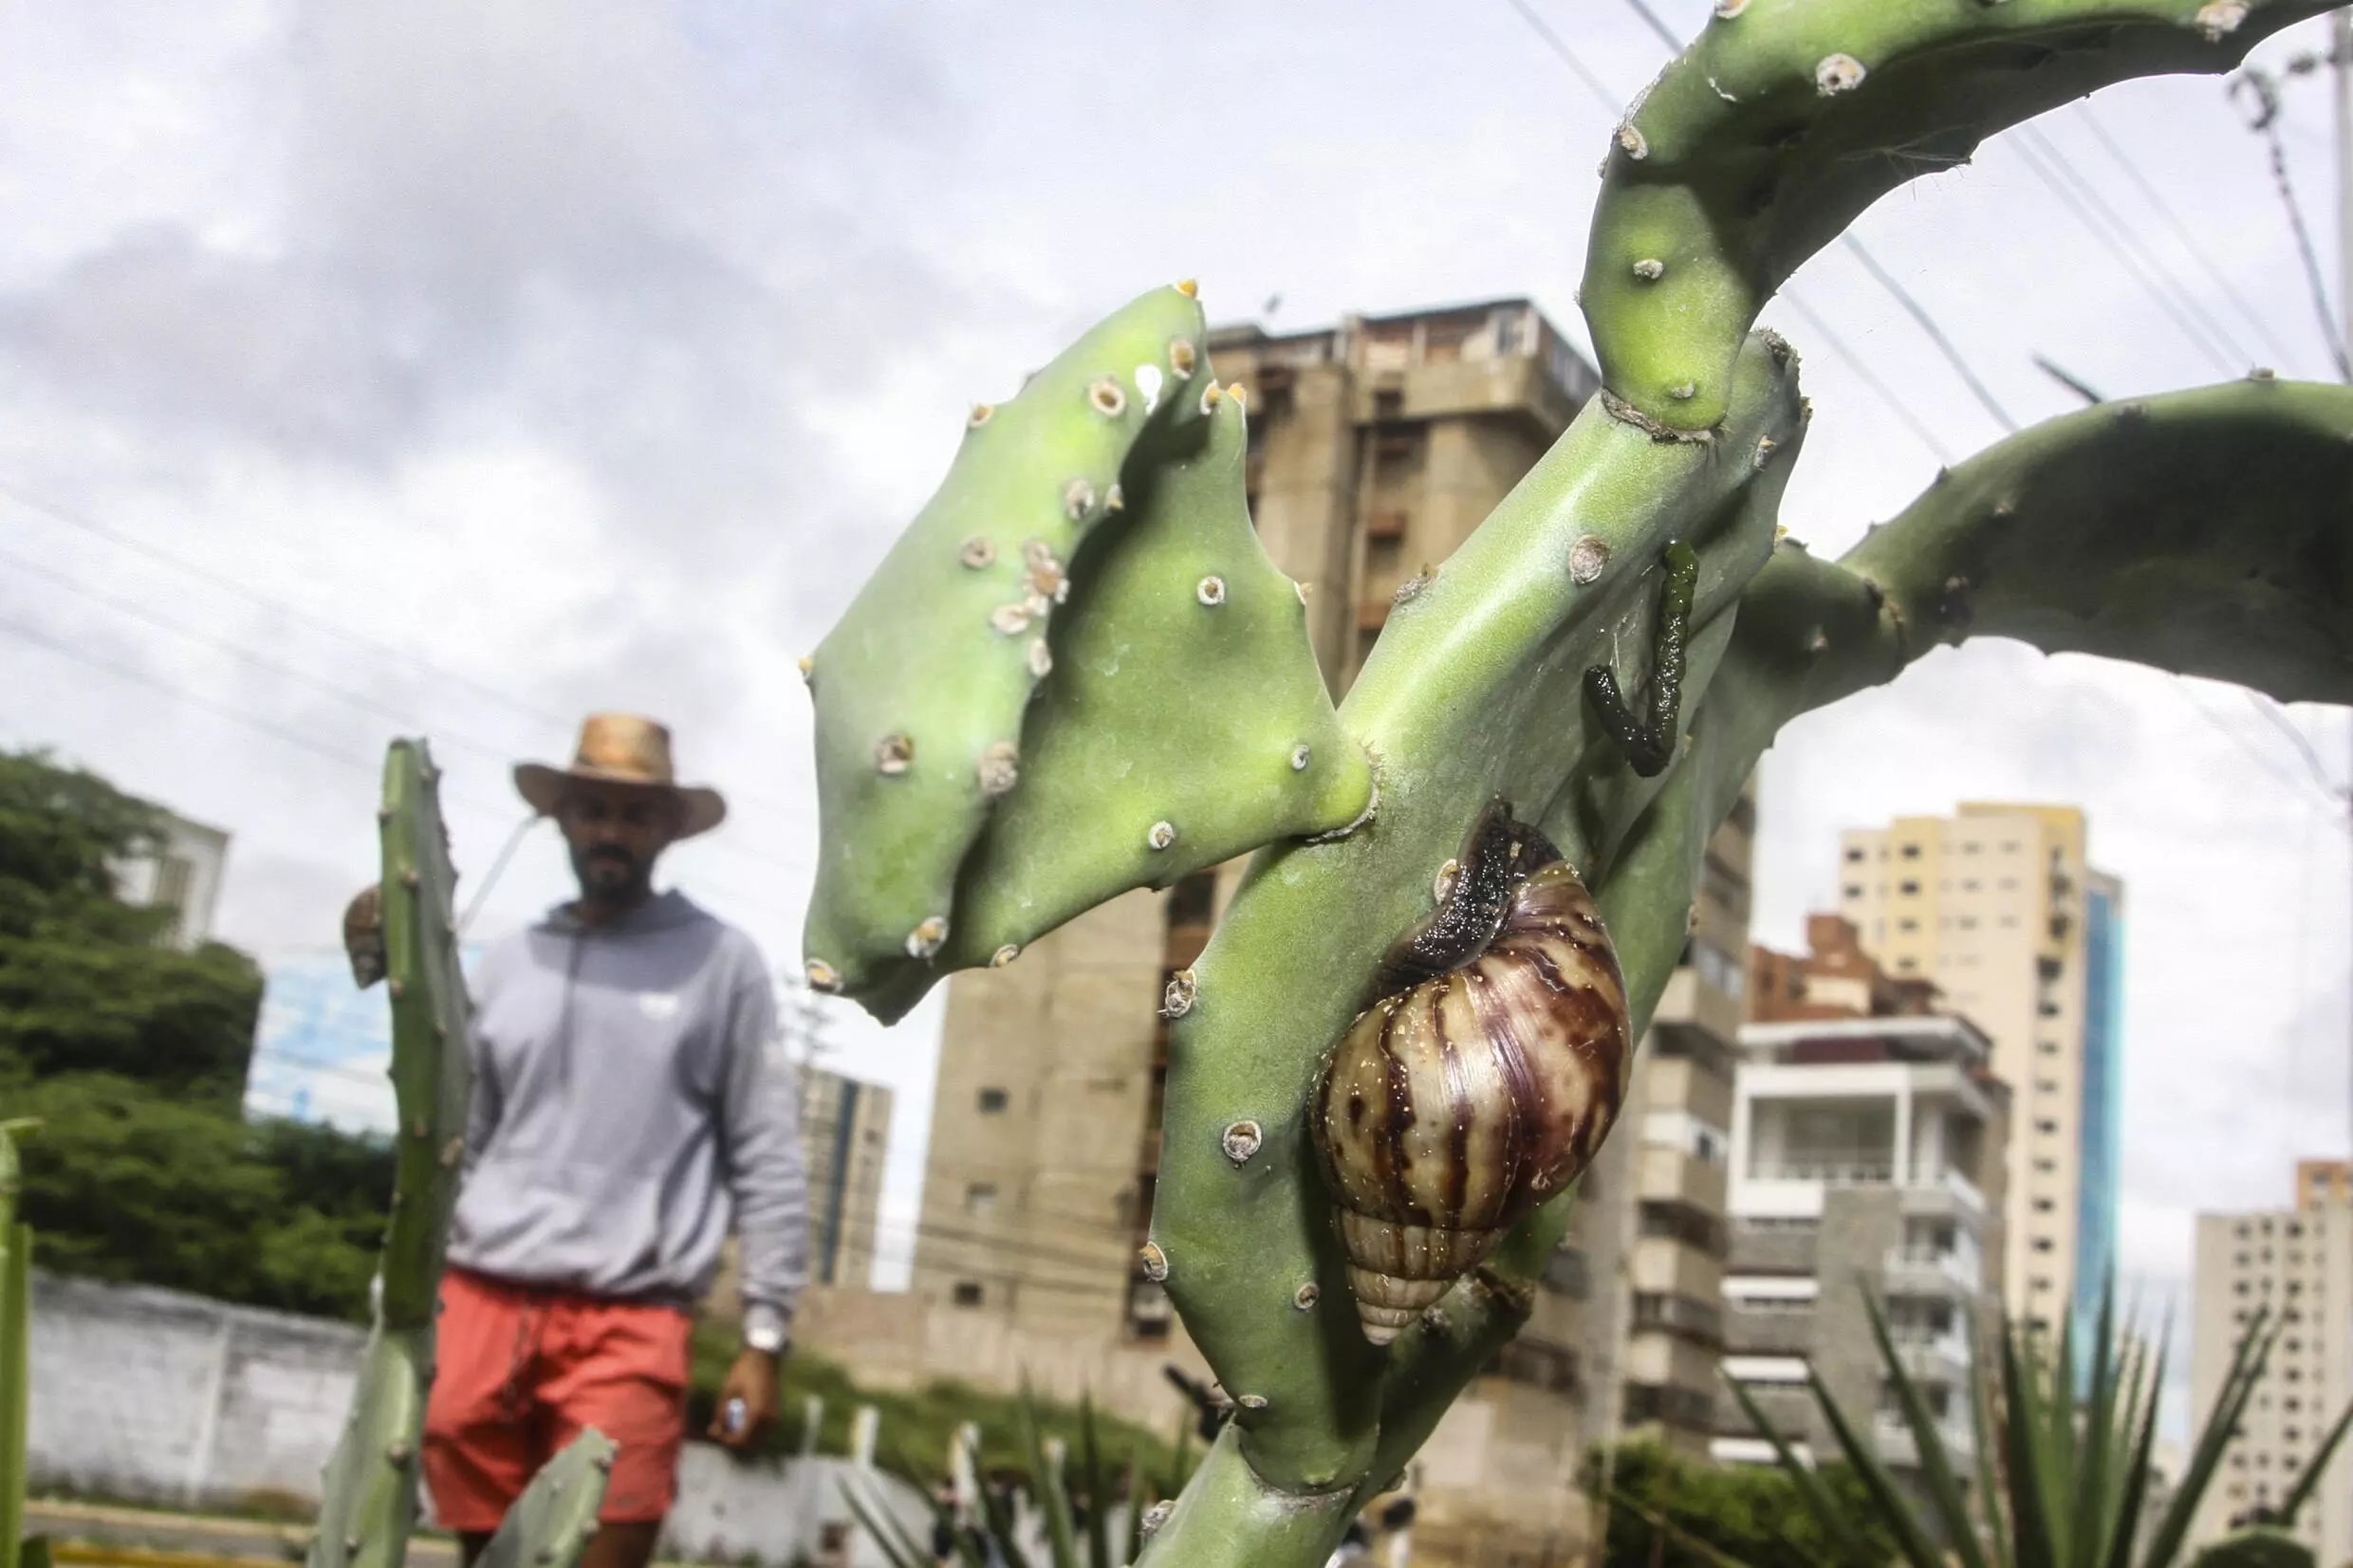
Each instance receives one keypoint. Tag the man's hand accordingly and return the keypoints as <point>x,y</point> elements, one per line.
<point>752,1380</point>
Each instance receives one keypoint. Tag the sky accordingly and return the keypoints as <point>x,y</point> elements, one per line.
<point>457,369</point>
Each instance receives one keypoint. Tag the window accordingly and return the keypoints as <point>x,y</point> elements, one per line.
<point>2044,1205</point>
<point>980,1198</point>
<point>1854,890</point>
<point>2049,1047</point>
<point>969,1294</point>
<point>1854,855</point>
<point>1911,852</point>
<point>2042,1244</point>
<point>2046,1126</point>
<point>991,1102</point>
<point>1909,889</point>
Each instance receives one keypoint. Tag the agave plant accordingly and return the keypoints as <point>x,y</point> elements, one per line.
<point>1075,1538</point>
<point>2061,1474</point>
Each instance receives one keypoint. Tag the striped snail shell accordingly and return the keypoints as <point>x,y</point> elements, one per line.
<point>1483,1080</point>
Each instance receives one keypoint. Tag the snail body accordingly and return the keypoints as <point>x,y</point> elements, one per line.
<point>1481,1083</point>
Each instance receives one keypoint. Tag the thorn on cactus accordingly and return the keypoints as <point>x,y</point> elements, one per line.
<point>1000,766</point>
<point>1650,269</point>
<point>1586,558</point>
<point>1155,1261</point>
<point>1211,591</point>
<point>1041,659</point>
<point>1107,398</point>
<point>976,553</point>
<point>1004,956</point>
<point>1163,834</point>
<point>1115,499</point>
<point>928,937</point>
<point>1177,1000</point>
<point>1240,1141</point>
<point>1632,140</point>
<point>1253,1401</point>
<point>1078,498</point>
<point>1837,73</point>
<point>1305,1296</point>
<point>1183,356</point>
<point>981,415</point>
<point>1010,619</point>
<point>821,975</point>
<point>1300,756</point>
<point>893,755</point>
<point>1189,289</point>
<point>2219,19</point>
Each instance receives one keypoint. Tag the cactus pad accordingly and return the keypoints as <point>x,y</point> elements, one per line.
<point>1787,119</point>
<point>2200,531</point>
<point>1077,673</point>
<point>557,1513</point>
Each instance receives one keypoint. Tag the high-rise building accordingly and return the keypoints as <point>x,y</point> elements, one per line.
<point>1999,907</point>
<point>845,1138</point>
<point>1868,1147</point>
<point>2297,1264</point>
<point>183,876</point>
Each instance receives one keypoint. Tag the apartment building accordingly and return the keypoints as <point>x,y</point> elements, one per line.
<point>1867,1148</point>
<point>845,1136</point>
<point>1998,905</point>
<point>2298,1263</point>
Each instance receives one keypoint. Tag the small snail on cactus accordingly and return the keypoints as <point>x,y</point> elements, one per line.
<point>1481,1083</point>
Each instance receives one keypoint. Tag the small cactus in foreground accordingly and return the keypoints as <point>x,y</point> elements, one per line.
<point>15,1361</point>
<point>407,934</point>
<point>2207,533</point>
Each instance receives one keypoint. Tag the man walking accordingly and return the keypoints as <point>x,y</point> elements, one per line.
<point>626,1109</point>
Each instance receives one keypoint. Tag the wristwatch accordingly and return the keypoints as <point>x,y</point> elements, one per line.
<point>764,1329</point>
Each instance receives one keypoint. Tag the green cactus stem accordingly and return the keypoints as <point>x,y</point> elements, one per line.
<point>1787,119</point>
<point>921,690</point>
<point>552,1522</point>
<point>1463,700</point>
<point>1649,741</point>
<point>370,1489</point>
<point>1184,721</point>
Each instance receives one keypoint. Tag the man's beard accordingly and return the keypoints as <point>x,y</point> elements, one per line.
<point>608,874</point>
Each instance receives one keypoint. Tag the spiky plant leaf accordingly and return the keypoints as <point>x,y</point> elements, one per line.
<point>1944,1490</point>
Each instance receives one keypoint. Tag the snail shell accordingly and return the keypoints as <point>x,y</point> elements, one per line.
<point>1481,1083</point>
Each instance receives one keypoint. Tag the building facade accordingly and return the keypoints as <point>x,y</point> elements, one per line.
<point>845,1139</point>
<point>1866,1150</point>
<point>182,876</point>
<point>2296,1266</point>
<point>1999,907</point>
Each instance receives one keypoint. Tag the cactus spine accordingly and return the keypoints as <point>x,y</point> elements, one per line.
<point>369,1503</point>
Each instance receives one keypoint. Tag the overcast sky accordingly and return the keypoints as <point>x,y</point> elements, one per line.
<point>464,367</point>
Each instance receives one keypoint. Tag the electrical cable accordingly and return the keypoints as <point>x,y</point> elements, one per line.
<point>2049,165</point>
<point>1919,313</point>
<point>1583,73</point>
<point>2180,230</point>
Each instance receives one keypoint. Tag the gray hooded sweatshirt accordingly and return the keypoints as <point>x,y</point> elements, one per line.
<point>630,1098</point>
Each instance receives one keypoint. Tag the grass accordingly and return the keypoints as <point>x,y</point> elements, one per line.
<point>916,1424</point>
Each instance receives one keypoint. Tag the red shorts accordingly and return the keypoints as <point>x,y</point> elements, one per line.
<point>520,1370</point>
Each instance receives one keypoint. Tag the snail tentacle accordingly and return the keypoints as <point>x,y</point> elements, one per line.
<point>1649,741</point>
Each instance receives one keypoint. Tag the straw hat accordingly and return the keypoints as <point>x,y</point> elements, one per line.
<point>625,749</point>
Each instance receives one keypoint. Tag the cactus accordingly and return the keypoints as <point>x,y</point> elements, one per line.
<point>2205,532</point>
<point>553,1519</point>
<point>1786,118</point>
<point>368,1506</point>
<point>15,1360</point>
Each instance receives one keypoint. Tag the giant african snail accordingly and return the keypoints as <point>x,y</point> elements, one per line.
<point>1483,1080</point>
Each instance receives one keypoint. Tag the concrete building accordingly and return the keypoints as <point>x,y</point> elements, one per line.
<point>1376,448</point>
<point>1867,1146</point>
<point>2299,1265</point>
<point>184,875</point>
<point>845,1136</point>
<point>1998,905</point>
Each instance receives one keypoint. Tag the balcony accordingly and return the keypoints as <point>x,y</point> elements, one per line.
<point>1921,1271</point>
<point>1893,1437</point>
<point>1672,1175</point>
<point>1778,1333</point>
<point>1947,1194</point>
<point>1932,1357</point>
<point>1830,1166</point>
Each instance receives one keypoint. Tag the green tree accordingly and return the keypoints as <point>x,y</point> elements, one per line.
<point>83,984</point>
<point>1667,1511</point>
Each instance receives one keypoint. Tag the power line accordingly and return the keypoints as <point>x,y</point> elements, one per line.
<point>1918,426</point>
<point>1609,100</point>
<point>1665,33</point>
<point>2181,230</point>
<point>2264,121</point>
<point>1919,312</point>
<point>2049,165</point>
<point>2303,747</point>
<point>405,718</point>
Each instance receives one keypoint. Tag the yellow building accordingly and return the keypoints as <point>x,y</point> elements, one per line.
<point>1999,907</point>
